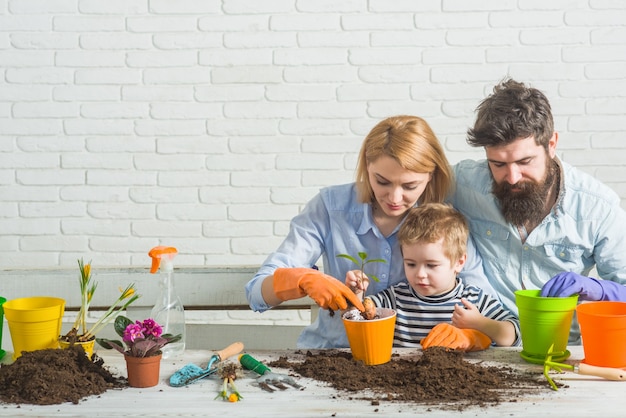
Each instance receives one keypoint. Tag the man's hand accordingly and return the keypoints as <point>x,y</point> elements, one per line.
<point>326,291</point>
<point>569,283</point>
<point>449,336</point>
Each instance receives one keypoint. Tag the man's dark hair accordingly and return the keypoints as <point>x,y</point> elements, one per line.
<point>511,112</point>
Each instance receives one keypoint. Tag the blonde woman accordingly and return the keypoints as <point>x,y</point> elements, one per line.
<point>401,165</point>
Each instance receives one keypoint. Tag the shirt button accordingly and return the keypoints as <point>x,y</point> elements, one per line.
<point>525,247</point>
<point>562,254</point>
<point>488,232</point>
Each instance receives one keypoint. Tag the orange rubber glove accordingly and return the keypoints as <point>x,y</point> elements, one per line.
<point>325,290</point>
<point>447,335</point>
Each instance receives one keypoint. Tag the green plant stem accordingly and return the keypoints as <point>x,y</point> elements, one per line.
<point>111,313</point>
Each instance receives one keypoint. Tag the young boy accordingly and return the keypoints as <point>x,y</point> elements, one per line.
<point>433,306</point>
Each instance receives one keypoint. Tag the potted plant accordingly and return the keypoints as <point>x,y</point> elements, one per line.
<point>141,347</point>
<point>80,333</point>
<point>370,334</point>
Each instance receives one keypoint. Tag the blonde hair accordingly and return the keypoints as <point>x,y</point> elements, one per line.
<point>410,141</point>
<point>430,222</point>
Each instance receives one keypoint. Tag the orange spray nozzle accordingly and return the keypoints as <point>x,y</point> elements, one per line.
<point>157,253</point>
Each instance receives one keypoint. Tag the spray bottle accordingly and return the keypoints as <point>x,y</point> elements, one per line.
<point>168,310</point>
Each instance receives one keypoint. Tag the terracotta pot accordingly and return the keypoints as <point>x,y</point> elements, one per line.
<point>143,372</point>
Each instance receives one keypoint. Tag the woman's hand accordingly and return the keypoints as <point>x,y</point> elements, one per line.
<point>325,290</point>
<point>357,281</point>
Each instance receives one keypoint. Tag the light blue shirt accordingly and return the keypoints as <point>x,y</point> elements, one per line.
<point>584,229</point>
<point>335,222</point>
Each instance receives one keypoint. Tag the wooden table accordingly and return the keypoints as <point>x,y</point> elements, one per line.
<point>585,396</point>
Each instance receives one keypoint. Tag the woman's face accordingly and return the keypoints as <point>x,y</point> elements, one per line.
<point>396,189</point>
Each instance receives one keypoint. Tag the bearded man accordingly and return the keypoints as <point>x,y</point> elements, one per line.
<point>537,222</point>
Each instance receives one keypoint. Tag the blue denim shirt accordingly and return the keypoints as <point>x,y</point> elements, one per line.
<point>335,222</point>
<point>585,229</point>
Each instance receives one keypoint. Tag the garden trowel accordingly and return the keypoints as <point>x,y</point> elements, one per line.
<point>192,373</point>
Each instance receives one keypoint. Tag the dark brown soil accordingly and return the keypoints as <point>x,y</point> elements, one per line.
<point>53,376</point>
<point>438,377</point>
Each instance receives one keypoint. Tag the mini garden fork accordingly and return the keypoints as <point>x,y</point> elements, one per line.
<point>268,378</point>
<point>608,373</point>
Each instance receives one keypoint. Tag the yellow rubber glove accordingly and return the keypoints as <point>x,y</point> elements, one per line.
<point>325,290</point>
<point>447,335</point>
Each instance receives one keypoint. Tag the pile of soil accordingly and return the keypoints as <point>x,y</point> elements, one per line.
<point>53,376</point>
<point>439,376</point>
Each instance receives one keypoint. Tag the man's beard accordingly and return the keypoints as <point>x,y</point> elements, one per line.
<point>528,203</point>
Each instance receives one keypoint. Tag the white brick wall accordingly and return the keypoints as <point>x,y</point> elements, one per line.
<point>207,124</point>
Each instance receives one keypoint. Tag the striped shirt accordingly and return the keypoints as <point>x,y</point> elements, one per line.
<point>416,315</point>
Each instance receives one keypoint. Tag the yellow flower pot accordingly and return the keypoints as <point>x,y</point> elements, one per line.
<point>87,345</point>
<point>34,322</point>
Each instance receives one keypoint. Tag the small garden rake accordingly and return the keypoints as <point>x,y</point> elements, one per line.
<point>268,378</point>
<point>608,373</point>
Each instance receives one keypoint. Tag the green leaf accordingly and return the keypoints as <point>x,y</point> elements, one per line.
<point>120,324</point>
<point>376,260</point>
<point>376,279</point>
<point>364,261</point>
<point>109,344</point>
<point>172,338</point>
<point>349,257</point>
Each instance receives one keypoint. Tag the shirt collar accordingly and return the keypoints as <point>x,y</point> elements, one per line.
<point>455,293</point>
<point>367,220</point>
<point>558,206</point>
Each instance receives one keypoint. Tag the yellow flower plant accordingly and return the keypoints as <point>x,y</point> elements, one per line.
<point>87,289</point>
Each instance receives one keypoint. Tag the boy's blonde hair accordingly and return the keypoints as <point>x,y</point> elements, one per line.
<point>430,222</point>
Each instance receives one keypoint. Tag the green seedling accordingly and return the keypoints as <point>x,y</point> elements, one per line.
<point>362,262</point>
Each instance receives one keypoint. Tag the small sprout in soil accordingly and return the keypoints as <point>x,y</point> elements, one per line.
<point>363,260</point>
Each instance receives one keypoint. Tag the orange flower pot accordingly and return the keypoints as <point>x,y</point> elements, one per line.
<point>603,330</point>
<point>143,372</point>
<point>371,341</point>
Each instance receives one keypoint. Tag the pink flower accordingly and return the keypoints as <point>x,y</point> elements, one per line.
<point>150,327</point>
<point>141,338</point>
<point>133,332</point>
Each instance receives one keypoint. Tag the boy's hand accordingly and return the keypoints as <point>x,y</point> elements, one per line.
<point>449,336</point>
<point>466,316</point>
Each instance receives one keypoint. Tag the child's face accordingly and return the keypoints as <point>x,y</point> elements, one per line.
<point>428,270</point>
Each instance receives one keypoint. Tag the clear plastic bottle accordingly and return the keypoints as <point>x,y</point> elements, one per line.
<point>168,310</point>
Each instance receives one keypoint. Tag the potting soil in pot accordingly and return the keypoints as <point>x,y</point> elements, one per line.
<point>54,376</point>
